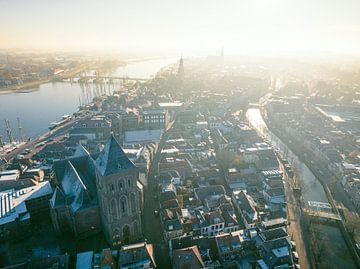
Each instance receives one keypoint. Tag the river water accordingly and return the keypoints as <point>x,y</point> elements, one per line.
<point>48,103</point>
<point>311,187</point>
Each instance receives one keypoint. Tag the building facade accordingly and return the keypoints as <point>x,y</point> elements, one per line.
<point>119,194</point>
<point>100,192</point>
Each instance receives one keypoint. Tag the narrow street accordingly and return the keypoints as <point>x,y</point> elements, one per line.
<point>151,223</point>
<point>294,216</point>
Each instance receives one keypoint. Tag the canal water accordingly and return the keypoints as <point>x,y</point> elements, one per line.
<point>335,253</point>
<point>312,188</point>
<point>38,108</point>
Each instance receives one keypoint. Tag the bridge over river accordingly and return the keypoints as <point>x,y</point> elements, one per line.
<point>107,78</point>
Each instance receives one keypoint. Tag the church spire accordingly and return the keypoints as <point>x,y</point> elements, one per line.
<point>181,68</point>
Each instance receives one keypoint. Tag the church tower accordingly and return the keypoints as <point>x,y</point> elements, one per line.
<point>181,69</point>
<point>119,194</point>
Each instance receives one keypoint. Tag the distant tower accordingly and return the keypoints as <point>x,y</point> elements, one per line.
<point>119,195</point>
<point>181,68</point>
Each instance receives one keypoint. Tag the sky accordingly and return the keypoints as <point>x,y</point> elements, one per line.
<point>183,26</point>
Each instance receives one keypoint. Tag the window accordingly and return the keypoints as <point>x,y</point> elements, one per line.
<point>129,182</point>
<point>123,205</point>
<point>133,203</point>
<point>120,184</point>
<point>111,187</point>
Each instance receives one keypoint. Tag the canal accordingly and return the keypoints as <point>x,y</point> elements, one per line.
<point>37,108</point>
<point>312,188</point>
<point>330,249</point>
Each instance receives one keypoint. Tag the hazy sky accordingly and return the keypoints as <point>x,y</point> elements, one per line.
<point>269,26</point>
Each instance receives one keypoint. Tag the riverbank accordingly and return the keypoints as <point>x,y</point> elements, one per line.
<point>37,83</point>
<point>24,86</point>
<point>340,225</point>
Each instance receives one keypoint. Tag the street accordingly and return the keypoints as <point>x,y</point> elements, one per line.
<point>151,223</point>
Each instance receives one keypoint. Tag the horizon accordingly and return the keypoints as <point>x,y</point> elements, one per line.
<point>251,28</point>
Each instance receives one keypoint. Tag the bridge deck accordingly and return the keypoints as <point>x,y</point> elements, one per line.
<point>322,214</point>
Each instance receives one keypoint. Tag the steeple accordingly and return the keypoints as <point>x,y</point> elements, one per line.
<point>181,68</point>
<point>112,159</point>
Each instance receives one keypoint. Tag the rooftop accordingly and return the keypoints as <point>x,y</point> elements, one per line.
<point>12,203</point>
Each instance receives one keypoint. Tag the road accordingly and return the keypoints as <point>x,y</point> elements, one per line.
<point>296,227</point>
<point>151,224</point>
<point>51,135</point>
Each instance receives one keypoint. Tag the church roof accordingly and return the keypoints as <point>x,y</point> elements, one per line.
<point>83,169</point>
<point>82,200</point>
<point>76,183</point>
<point>112,159</point>
<point>58,198</point>
<point>80,151</point>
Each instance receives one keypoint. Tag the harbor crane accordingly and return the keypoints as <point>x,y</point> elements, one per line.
<point>20,129</point>
<point>8,130</point>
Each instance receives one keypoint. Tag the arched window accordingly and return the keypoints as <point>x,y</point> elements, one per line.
<point>114,209</point>
<point>116,237</point>
<point>126,234</point>
<point>123,205</point>
<point>121,185</point>
<point>133,203</point>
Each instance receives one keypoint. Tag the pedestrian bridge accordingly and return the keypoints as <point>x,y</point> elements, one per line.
<point>321,210</point>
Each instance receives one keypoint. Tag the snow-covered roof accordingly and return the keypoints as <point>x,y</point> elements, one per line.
<point>112,159</point>
<point>12,203</point>
<point>80,151</point>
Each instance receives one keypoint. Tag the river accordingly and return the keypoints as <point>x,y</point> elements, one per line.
<point>38,108</point>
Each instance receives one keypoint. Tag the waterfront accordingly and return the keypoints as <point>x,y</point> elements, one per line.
<point>327,243</point>
<point>312,188</point>
<point>48,103</point>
